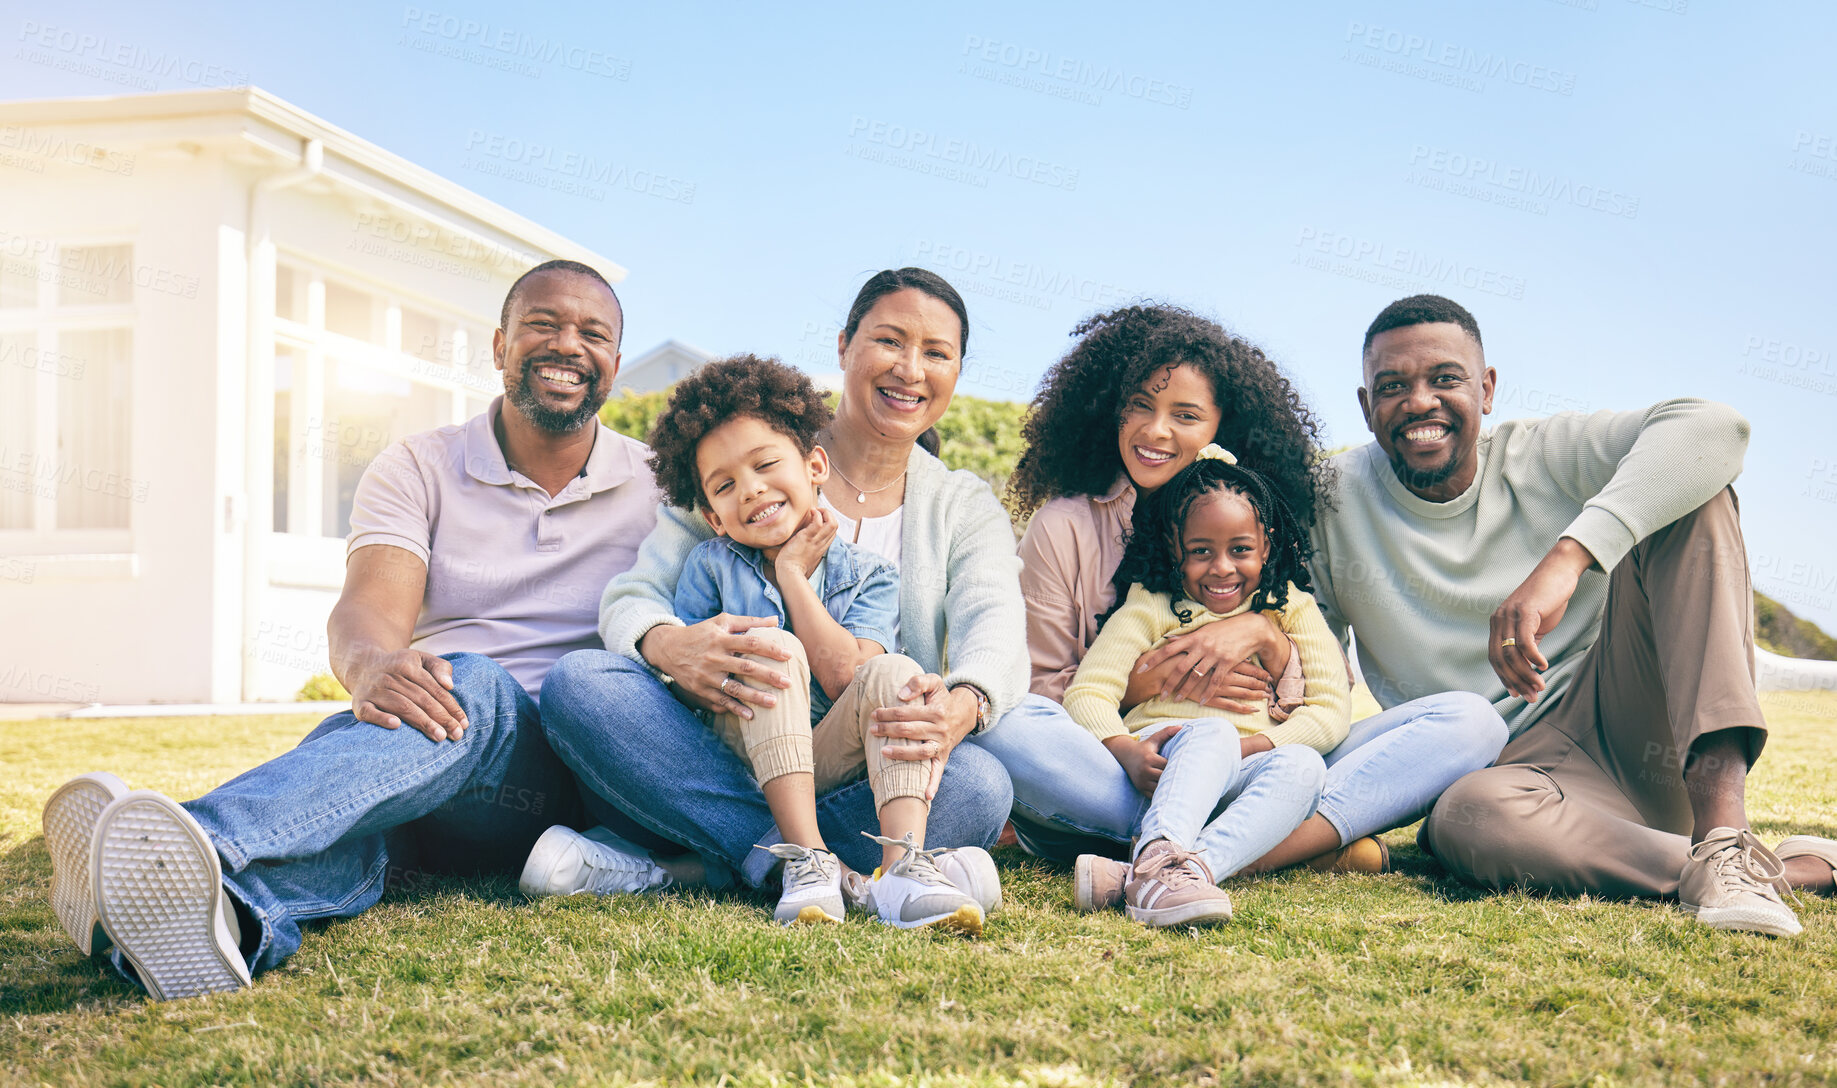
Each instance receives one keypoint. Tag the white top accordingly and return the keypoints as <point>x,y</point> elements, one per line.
<point>878,535</point>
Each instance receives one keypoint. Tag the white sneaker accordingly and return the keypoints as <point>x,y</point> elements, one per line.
<point>972,870</point>
<point>158,892</point>
<point>812,885</point>
<point>914,893</point>
<point>566,862</point>
<point>70,831</point>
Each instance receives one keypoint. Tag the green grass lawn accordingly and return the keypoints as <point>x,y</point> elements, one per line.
<point>1407,978</point>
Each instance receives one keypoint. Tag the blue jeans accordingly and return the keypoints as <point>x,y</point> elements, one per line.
<point>647,757</point>
<point>1386,773</point>
<point>316,832</point>
<point>1258,801</point>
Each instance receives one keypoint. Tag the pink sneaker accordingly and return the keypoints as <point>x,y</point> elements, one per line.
<point>1098,882</point>
<point>1172,887</point>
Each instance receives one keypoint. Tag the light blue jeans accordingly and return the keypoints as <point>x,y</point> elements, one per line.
<point>316,832</point>
<point>654,772</point>
<point>1386,773</point>
<point>1262,798</point>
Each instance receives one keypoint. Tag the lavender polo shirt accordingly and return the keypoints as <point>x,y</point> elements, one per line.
<point>512,573</point>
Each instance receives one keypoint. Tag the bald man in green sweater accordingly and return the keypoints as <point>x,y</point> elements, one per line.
<point>1585,572</point>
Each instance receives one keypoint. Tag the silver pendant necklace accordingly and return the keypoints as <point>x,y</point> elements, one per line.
<point>861,495</point>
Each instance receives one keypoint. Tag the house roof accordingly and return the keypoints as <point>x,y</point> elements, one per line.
<point>665,349</point>
<point>272,129</point>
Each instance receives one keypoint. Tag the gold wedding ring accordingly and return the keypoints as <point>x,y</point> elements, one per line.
<point>1508,642</point>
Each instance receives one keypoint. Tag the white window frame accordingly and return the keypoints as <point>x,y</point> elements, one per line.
<point>311,346</point>
<point>45,321</point>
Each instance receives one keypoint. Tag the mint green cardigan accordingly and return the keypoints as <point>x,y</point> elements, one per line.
<point>960,610</point>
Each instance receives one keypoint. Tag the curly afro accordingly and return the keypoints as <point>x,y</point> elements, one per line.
<point>1072,425</point>
<point>780,396</point>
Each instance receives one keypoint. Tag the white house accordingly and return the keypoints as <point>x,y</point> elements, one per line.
<point>215,309</point>
<point>661,367</point>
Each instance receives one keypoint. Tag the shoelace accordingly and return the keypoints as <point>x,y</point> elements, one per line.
<point>914,864</point>
<point>1745,860</point>
<point>1174,868</point>
<point>610,867</point>
<point>802,864</point>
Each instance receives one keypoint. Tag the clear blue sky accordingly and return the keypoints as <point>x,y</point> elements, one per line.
<point>1637,201</point>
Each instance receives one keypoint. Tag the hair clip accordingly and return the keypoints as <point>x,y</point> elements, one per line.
<point>1215,452</point>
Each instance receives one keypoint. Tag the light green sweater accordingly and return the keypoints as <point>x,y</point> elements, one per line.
<point>960,609</point>
<point>1418,581</point>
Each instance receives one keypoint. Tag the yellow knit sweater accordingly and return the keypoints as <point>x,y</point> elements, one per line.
<point>1146,620</point>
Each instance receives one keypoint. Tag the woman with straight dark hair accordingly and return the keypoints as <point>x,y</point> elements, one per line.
<point>655,771</point>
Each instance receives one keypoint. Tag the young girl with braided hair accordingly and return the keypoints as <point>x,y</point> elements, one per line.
<point>1214,542</point>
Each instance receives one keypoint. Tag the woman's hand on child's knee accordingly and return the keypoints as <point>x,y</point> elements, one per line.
<point>926,726</point>
<point>712,664</point>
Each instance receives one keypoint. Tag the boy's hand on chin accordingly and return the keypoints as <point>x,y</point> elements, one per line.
<point>809,544</point>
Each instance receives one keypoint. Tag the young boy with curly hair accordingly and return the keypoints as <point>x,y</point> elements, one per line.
<point>738,442</point>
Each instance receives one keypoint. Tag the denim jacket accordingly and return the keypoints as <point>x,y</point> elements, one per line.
<point>860,591</point>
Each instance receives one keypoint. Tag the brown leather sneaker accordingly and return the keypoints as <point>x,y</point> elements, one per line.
<point>1366,855</point>
<point>1731,881</point>
<point>1172,887</point>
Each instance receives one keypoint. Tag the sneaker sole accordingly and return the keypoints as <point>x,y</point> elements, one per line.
<point>70,829</point>
<point>1210,912</point>
<point>159,893</point>
<point>1084,893</point>
<point>966,919</point>
<point>1739,919</point>
<point>811,915</point>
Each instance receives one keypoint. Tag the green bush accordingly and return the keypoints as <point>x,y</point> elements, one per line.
<point>322,687</point>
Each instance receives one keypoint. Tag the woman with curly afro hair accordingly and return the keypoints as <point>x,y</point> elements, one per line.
<point>1143,390</point>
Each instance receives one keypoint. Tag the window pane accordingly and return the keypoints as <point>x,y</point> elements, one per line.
<point>421,338</point>
<point>94,489</point>
<point>18,433</point>
<point>18,283</point>
<point>365,411</point>
<point>95,275</point>
<point>283,435</point>
<point>349,312</point>
<point>284,280</point>
<point>481,375</point>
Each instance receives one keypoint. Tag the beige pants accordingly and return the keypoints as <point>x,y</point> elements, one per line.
<point>1591,798</point>
<point>780,740</point>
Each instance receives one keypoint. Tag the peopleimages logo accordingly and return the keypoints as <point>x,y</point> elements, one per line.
<point>1459,61</point>
<point>514,45</point>
<point>1502,183</point>
<point>1402,267</point>
<point>958,154</point>
<point>1064,77</point>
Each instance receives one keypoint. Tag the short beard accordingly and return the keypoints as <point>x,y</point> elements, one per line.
<point>1427,479</point>
<point>524,399</point>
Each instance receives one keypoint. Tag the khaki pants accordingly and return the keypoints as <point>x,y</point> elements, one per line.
<point>1591,798</point>
<point>780,740</point>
